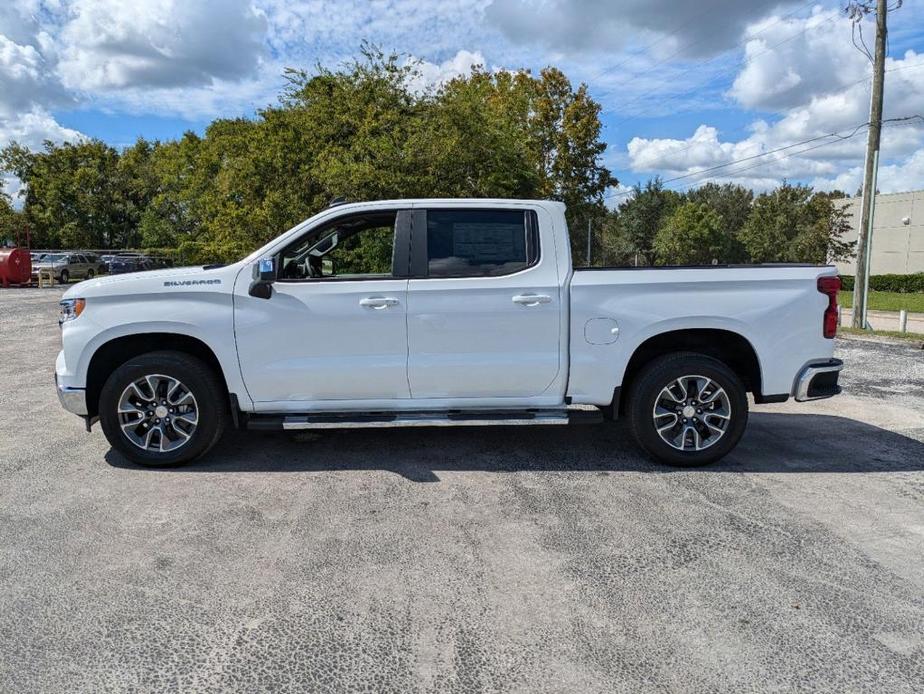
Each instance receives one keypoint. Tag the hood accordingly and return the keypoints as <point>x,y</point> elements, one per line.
<point>195,278</point>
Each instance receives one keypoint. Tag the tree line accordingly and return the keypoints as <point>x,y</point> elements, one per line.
<point>366,131</point>
<point>725,223</point>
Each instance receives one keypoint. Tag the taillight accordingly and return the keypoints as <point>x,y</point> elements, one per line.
<point>830,286</point>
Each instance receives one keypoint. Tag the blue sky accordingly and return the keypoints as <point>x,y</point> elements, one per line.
<point>684,87</point>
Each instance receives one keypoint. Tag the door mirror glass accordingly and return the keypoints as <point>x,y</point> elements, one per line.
<point>265,270</point>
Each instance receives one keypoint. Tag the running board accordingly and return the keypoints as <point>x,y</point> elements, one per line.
<point>452,418</point>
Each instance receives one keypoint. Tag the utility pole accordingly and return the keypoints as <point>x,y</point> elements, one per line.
<point>868,203</point>
<point>588,242</point>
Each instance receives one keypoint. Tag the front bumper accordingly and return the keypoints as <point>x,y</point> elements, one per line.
<point>72,399</point>
<point>818,380</point>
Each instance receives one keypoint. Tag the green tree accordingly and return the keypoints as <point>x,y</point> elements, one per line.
<point>566,126</point>
<point>73,193</point>
<point>733,204</point>
<point>473,138</point>
<point>363,131</point>
<point>692,235</point>
<point>821,239</point>
<point>611,245</point>
<point>642,216</point>
<point>793,224</point>
<point>10,220</point>
<point>171,217</point>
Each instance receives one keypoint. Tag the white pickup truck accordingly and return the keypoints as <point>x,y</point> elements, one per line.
<point>441,313</point>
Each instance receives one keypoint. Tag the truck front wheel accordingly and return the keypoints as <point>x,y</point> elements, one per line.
<point>687,409</point>
<point>162,408</point>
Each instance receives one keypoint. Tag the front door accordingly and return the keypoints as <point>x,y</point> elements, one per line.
<point>484,307</point>
<point>335,327</point>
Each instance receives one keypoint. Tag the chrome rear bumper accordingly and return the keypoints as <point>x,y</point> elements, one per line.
<point>819,380</point>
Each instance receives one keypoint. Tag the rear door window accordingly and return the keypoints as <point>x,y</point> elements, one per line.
<point>480,243</point>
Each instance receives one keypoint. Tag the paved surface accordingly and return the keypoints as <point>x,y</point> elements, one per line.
<point>887,320</point>
<point>525,560</point>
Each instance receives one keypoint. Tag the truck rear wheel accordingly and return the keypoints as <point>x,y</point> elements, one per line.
<point>162,408</point>
<point>687,409</point>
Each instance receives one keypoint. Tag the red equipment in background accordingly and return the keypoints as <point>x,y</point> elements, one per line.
<point>15,266</point>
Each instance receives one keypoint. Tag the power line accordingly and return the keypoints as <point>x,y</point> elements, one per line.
<point>840,138</point>
<point>787,156</point>
<point>749,158</point>
<point>912,66</point>
<point>775,160</point>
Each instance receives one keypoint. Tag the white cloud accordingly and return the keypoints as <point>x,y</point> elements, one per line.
<point>788,59</point>
<point>112,44</point>
<point>219,98</point>
<point>893,178</point>
<point>818,83</point>
<point>33,127</point>
<point>436,74</point>
<point>767,156</point>
<point>798,78</point>
<point>28,86</point>
<point>577,26</point>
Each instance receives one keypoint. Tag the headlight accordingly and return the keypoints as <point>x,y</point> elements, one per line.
<point>70,309</point>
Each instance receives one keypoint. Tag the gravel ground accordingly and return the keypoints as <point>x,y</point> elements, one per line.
<point>529,560</point>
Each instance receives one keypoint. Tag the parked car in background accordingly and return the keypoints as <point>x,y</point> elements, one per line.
<point>107,258</point>
<point>66,266</point>
<point>97,262</point>
<point>441,313</point>
<point>157,262</point>
<point>120,264</point>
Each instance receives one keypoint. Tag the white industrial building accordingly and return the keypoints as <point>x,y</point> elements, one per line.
<point>898,234</point>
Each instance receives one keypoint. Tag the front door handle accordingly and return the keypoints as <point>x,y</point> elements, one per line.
<point>378,302</point>
<point>531,299</point>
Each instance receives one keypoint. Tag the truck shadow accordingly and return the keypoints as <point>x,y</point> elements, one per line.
<point>773,442</point>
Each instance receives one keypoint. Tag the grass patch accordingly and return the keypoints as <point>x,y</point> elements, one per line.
<point>911,337</point>
<point>887,301</point>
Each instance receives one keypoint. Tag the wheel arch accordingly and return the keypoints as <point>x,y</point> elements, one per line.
<point>115,352</point>
<point>729,347</point>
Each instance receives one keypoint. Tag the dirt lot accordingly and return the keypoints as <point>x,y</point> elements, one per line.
<point>523,560</point>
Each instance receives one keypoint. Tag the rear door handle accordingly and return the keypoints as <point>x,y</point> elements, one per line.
<point>531,299</point>
<point>378,302</point>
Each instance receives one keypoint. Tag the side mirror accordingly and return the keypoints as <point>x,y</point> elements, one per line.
<point>264,274</point>
<point>265,270</point>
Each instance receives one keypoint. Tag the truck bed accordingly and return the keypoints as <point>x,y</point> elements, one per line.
<point>776,308</point>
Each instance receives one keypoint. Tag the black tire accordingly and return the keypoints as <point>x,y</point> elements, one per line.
<point>90,274</point>
<point>647,389</point>
<point>196,376</point>
<point>65,276</point>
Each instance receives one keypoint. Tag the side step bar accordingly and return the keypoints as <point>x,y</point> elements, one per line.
<point>452,418</point>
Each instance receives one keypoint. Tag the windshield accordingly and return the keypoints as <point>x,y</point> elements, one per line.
<point>53,257</point>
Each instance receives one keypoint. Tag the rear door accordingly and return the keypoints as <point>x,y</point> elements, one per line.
<point>484,306</point>
<point>81,266</point>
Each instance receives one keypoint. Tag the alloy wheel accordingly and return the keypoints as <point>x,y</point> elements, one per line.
<point>692,413</point>
<point>158,413</point>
